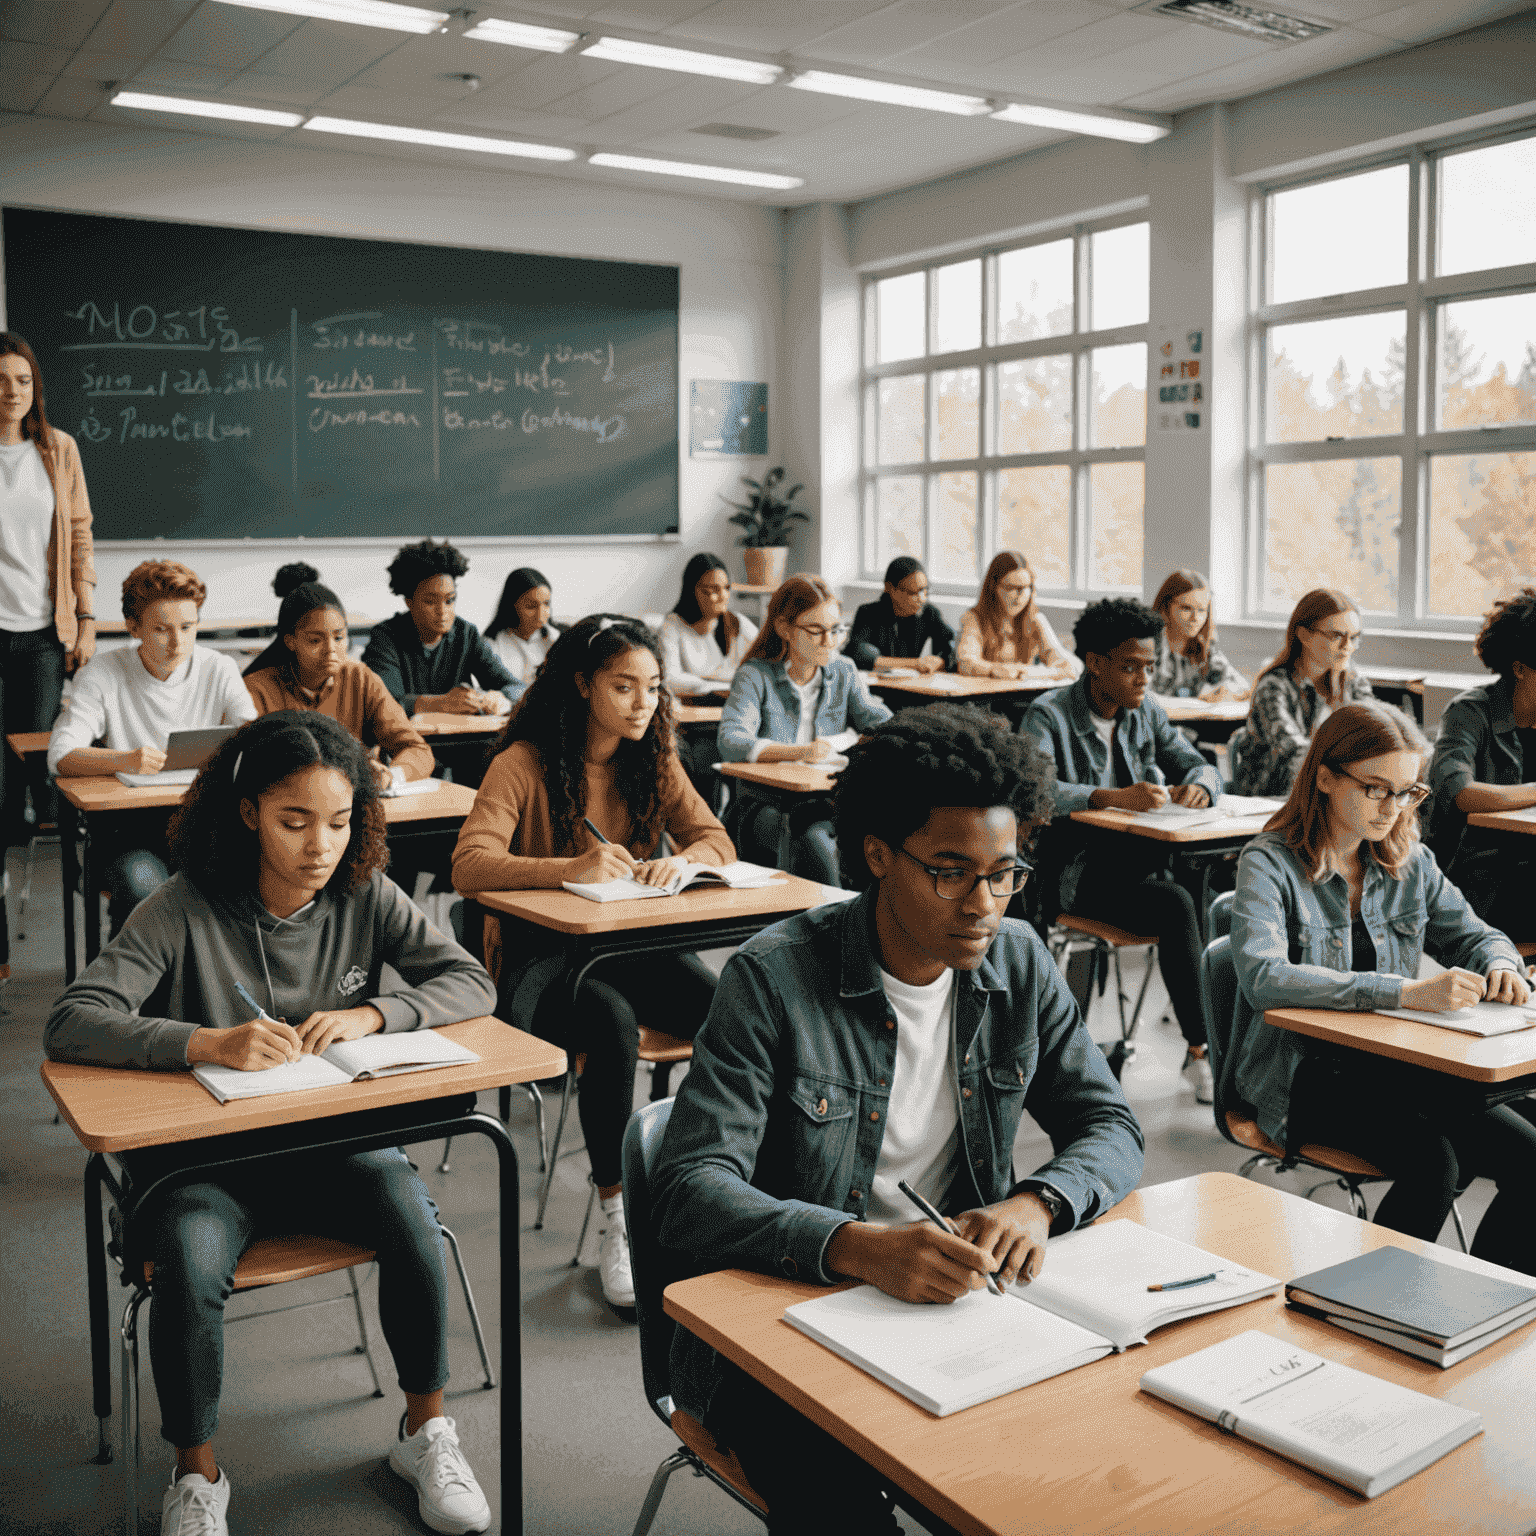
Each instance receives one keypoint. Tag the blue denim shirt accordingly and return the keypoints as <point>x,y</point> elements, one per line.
<point>776,1133</point>
<point>1478,743</point>
<point>1291,946</point>
<point>763,703</point>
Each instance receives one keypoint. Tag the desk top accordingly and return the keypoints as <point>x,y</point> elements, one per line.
<point>1207,832</point>
<point>1411,678</point>
<point>105,792</point>
<point>1506,821</point>
<point>207,626</point>
<point>1204,709</point>
<point>697,714</point>
<point>951,685</point>
<point>25,743</point>
<point>115,1109</point>
<point>458,725</point>
<point>566,912</point>
<point>797,778</point>
<point>1088,1451</point>
<point>1457,682</point>
<point>1494,1060</point>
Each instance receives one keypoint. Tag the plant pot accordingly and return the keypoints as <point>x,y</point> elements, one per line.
<point>765,567</point>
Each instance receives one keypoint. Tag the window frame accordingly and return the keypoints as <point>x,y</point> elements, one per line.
<point>1079,343</point>
<point>1420,297</point>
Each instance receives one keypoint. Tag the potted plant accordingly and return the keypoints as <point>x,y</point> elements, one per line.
<point>764,518</point>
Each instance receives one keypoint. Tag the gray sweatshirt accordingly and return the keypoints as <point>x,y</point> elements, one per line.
<point>173,968</point>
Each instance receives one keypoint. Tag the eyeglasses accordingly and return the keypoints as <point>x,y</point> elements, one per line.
<point>822,635</point>
<point>956,884</point>
<point>1346,639</point>
<point>1403,799</point>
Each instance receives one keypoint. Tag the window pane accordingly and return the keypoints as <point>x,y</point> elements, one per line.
<point>900,434</point>
<point>1336,378</point>
<point>1034,292</point>
<point>1337,236</point>
<point>1117,413</point>
<point>1121,277</point>
<point>1488,207</point>
<point>1033,512</point>
<point>1034,406</point>
<point>957,424</point>
<point>900,307</point>
<point>1332,524</point>
<point>953,557</point>
<point>898,518</point>
<point>1482,529</point>
<point>957,296</point>
<point>1488,362</point>
<point>1115,495</point>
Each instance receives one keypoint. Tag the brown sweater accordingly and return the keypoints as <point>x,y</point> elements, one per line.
<point>71,569</point>
<point>360,702</point>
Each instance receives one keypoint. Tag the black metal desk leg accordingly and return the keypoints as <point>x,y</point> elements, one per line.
<point>69,870</point>
<point>96,1291</point>
<point>90,885</point>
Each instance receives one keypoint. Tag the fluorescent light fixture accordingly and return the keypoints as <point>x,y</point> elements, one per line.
<point>699,172</point>
<point>225,109</point>
<point>1102,125</point>
<point>862,89</point>
<point>520,34</point>
<point>363,13</point>
<point>436,140</point>
<point>621,51</point>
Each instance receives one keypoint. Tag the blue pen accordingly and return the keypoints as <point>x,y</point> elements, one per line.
<point>250,1002</point>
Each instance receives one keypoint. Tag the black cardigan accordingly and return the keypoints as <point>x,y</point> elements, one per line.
<point>878,632</point>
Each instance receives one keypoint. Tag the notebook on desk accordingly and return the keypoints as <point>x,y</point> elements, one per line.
<point>1485,1019</point>
<point>185,753</point>
<point>348,1061</point>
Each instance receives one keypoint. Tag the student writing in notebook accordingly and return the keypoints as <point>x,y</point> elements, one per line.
<point>901,628</point>
<point>901,1035</point>
<point>126,703</point>
<point>1114,749</point>
<point>521,631</point>
<point>1337,901</point>
<point>591,741</point>
<point>1190,665</point>
<point>281,888</point>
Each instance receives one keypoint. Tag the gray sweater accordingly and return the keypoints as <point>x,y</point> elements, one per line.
<point>173,968</point>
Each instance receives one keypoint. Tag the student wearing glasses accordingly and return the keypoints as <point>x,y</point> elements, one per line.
<point>1337,901</point>
<point>899,1036</point>
<point>1006,631</point>
<point>1309,678</point>
<point>901,628</point>
<point>795,700</point>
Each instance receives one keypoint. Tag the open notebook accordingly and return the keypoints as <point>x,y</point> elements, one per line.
<point>1091,1300</point>
<point>740,876</point>
<point>348,1061</point>
<point>1225,809</point>
<point>1480,1019</point>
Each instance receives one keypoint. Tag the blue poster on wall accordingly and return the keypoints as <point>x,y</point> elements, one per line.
<point>728,419</point>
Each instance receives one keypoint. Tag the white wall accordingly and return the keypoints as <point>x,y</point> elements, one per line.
<point>730,254</point>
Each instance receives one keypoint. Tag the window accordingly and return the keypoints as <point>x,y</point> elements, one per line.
<point>1005,407</point>
<point>1393,448</point>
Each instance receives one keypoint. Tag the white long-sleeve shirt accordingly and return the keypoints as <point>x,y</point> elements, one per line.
<point>115,701</point>
<point>520,657</point>
<point>694,663</point>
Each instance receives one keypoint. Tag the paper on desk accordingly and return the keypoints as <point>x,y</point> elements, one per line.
<point>411,787</point>
<point>1526,813</point>
<point>1480,1019</point>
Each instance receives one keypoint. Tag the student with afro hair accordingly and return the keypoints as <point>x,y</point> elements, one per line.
<point>902,1035</point>
<point>1485,760</point>
<point>431,660</point>
<point>1114,748</point>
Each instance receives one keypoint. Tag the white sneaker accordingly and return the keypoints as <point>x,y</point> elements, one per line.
<point>195,1507</point>
<point>1199,1069</point>
<point>613,1258</point>
<point>447,1494</point>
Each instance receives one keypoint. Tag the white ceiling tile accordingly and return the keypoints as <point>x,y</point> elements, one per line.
<point>21,92</point>
<point>772,26</point>
<point>71,98</point>
<point>904,27</point>
<point>1342,11</point>
<point>1100,40</point>
<point>173,75</point>
<point>259,85</point>
<point>227,36</point>
<point>789,111</point>
<point>329,51</point>
<point>1187,50</point>
<point>1428,19</point>
<point>640,15</point>
<point>697,101</point>
<point>477,115</point>
<point>1103,87</point>
<point>85,65</point>
<point>613,93</point>
<point>141,26</point>
<point>32,59</point>
<point>555,75</point>
<point>1023,27</point>
<point>423,59</point>
<point>64,23</point>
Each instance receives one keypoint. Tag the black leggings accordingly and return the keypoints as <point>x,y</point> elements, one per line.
<point>1431,1138</point>
<point>671,993</point>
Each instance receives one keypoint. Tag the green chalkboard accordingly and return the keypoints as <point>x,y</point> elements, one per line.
<point>234,383</point>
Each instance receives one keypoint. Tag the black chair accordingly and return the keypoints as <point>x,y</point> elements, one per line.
<point>1219,919</point>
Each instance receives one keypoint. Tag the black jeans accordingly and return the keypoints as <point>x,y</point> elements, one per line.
<point>1432,1136</point>
<point>31,688</point>
<point>812,838</point>
<point>196,1234</point>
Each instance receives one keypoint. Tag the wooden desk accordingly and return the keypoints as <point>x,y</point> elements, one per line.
<point>697,714</point>
<point>1089,1452</point>
<point>1522,821</point>
<point>781,785</point>
<point>1195,711</point>
<point>458,725</point>
<point>952,685</point>
<point>116,1109</point>
<point>27,744</point>
<point>206,626</point>
<point>1500,1059</point>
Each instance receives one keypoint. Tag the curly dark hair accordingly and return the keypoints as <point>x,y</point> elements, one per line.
<point>210,842</point>
<point>417,563</point>
<point>1111,621</point>
<point>1508,634</point>
<point>552,718</point>
<point>945,754</point>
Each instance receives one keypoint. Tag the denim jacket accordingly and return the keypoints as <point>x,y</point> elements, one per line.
<point>763,704</point>
<point>1478,743</point>
<point>776,1132</point>
<point>1291,946</point>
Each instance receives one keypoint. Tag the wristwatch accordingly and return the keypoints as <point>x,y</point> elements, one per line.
<point>1048,1197</point>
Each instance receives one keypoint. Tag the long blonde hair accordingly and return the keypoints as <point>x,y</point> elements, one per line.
<point>1320,603</point>
<point>995,624</point>
<point>1199,646</point>
<point>1349,735</point>
<point>793,596</point>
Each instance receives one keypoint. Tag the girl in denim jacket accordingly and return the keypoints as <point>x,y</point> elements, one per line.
<point>1336,903</point>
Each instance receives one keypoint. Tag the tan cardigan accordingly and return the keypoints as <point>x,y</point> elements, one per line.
<point>71,562</point>
<point>360,702</point>
<point>973,660</point>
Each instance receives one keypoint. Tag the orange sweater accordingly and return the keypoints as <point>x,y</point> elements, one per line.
<point>360,702</point>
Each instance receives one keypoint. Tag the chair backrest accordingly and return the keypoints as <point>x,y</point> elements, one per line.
<point>642,1143</point>
<point>1218,994</point>
<point>1237,746</point>
<point>1219,918</point>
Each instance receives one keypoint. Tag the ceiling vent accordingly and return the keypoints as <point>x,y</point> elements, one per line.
<point>736,131</point>
<point>1244,20</point>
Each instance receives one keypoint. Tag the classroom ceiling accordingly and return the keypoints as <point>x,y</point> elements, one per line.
<point>55,56</point>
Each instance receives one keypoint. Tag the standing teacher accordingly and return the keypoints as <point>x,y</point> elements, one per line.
<point>47,578</point>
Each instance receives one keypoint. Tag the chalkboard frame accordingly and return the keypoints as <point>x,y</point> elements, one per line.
<point>321,540</point>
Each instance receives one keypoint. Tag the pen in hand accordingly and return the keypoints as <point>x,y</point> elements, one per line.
<point>592,828</point>
<point>250,1002</point>
<point>941,1224</point>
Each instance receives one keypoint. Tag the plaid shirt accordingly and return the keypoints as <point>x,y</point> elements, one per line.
<point>1282,716</point>
<point>1177,677</point>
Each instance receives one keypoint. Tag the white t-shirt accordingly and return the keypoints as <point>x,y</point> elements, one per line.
<point>922,1117</point>
<point>26,524</point>
<point>522,658</point>
<point>1105,728</point>
<point>117,702</point>
<point>694,663</point>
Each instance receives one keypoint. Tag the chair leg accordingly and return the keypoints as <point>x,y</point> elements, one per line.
<point>654,1494</point>
<point>129,1430</point>
<point>554,1151</point>
<point>474,1311</point>
<point>661,1081</point>
<point>537,1096</point>
<point>1461,1231</point>
<point>1141,996</point>
<point>586,1221</point>
<point>443,1166</point>
<point>1254,1163</point>
<point>362,1331</point>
